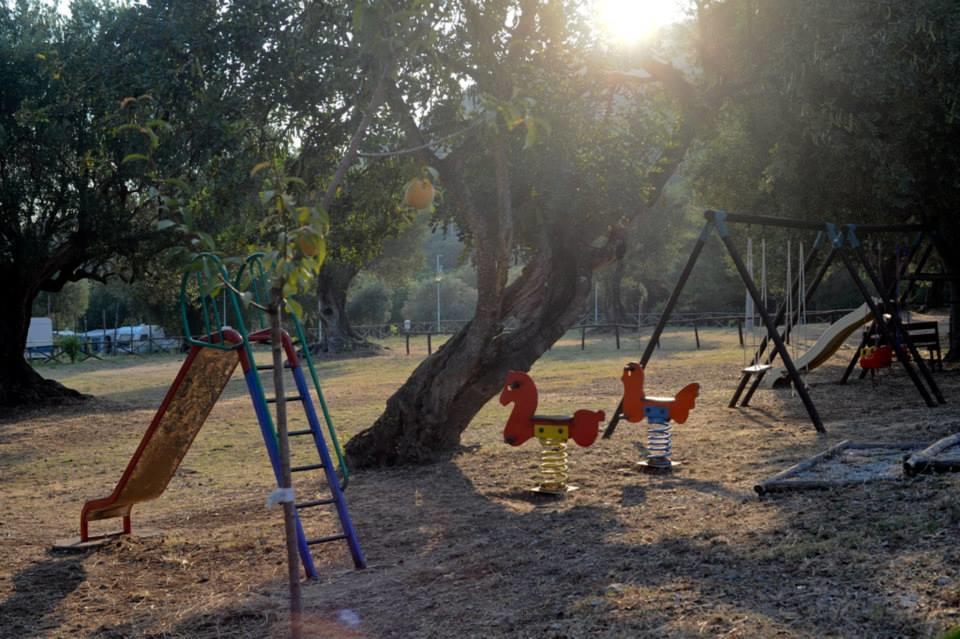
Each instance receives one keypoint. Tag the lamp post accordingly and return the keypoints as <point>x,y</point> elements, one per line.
<point>596,303</point>
<point>439,271</point>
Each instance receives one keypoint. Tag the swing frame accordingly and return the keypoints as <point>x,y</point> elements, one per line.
<point>843,242</point>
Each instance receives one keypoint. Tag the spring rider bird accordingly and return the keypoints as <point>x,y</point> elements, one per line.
<point>659,412</point>
<point>552,431</point>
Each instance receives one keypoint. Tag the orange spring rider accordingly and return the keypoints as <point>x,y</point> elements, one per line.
<point>659,412</point>
<point>553,432</point>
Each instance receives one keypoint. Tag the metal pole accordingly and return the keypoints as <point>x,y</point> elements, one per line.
<point>116,322</point>
<point>664,317</point>
<point>639,314</point>
<point>439,270</point>
<point>596,302</point>
<point>773,333</point>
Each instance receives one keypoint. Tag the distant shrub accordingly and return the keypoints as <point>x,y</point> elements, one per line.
<point>369,303</point>
<point>72,345</point>
<point>457,300</point>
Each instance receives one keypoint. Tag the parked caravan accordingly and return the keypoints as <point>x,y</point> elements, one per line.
<point>143,338</point>
<point>39,338</point>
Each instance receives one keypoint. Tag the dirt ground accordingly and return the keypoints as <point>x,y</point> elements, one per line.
<point>461,548</point>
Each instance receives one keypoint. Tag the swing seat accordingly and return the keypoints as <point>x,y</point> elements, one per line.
<point>757,368</point>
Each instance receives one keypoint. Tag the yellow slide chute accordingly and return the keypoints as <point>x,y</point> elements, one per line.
<point>828,343</point>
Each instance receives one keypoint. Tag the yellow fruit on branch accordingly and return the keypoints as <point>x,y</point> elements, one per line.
<point>309,244</point>
<point>419,194</point>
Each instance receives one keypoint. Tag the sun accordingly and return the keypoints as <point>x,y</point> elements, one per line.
<point>631,21</point>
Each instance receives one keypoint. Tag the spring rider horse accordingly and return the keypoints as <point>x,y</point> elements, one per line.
<point>659,412</point>
<point>552,432</point>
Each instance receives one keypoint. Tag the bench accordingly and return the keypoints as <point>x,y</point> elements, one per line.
<point>926,335</point>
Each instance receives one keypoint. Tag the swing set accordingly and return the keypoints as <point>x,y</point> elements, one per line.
<point>841,243</point>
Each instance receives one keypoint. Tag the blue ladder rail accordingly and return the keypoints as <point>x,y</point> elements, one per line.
<point>208,275</point>
<point>267,429</point>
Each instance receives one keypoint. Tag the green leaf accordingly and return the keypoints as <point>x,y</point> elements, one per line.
<point>206,240</point>
<point>159,124</point>
<point>321,252</point>
<point>531,137</point>
<point>267,196</point>
<point>294,307</point>
<point>179,183</point>
<point>154,138</point>
<point>133,157</point>
<point>125,127</point>
<point>163,225</point>
<point>320,220</point>
<point>358,15</point>
<point>258,167</point>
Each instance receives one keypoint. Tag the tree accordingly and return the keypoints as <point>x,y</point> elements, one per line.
<point>362,200</point>
<point>535,169</point>
<point>847,108</point>
<point>363,218</point>
<point>65,196</point>
<point>64,307</point>
<point>84,178</point>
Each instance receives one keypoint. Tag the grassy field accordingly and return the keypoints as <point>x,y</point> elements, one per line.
<point>461,548</point>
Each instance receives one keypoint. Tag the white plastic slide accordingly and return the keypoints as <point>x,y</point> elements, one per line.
<point>828,343</point>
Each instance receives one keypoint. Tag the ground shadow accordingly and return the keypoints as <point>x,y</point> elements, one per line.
<point>495,565</point>
<point>37,591</point>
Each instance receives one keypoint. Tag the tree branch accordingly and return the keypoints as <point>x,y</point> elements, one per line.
<point>376,99</point>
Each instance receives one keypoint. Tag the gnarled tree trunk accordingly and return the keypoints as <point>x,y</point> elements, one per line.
<point>426,416</point>
<point>338,335</point>
<point>19,383</point>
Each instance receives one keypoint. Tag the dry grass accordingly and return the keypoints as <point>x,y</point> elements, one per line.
<point>460,548</point>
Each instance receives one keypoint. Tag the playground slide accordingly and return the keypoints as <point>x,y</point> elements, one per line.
<point>198,385</point>
<point>828,343</point>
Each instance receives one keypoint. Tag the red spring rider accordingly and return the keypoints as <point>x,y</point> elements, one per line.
<point>659,412</point>
<point>552,431</point>
<point>873,358</point>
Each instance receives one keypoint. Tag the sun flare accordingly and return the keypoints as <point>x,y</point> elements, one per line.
<point>631,21</point>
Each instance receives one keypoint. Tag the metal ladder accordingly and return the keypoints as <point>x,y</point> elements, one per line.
<point>209,274</point>
<point>305,400</point>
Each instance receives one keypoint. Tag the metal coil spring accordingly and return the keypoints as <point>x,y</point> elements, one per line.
<point>553,465</point>
<point>659,442</point>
